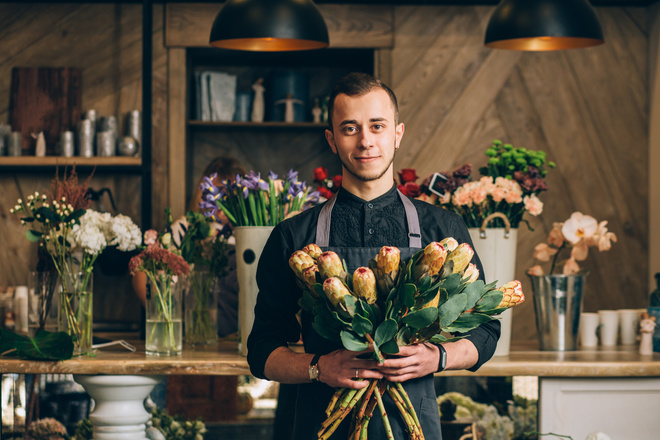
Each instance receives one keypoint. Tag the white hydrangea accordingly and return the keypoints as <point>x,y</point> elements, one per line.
<point>123,233</point>
<point>88,236</point>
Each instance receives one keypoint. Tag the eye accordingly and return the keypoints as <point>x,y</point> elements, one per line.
<point>378,127</point>
<point>349,129</point>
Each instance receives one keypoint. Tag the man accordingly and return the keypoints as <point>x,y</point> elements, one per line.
<point>367,213</point>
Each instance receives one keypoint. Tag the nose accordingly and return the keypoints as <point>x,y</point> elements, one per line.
<point>367,140</point>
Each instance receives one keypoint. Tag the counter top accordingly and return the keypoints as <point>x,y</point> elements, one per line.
<point>223,359</point>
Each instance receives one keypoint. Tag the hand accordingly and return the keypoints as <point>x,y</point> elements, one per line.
<point>338,369</point>
<point>412,361</point>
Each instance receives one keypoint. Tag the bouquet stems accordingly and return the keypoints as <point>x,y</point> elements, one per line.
<point>363,402</point>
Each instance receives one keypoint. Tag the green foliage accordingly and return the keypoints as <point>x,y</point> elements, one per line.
<point>505,159</point>
<point>45,346</point>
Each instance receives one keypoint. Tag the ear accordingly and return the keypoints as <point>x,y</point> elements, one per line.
<point>400,129</point>
<point>330,137</point>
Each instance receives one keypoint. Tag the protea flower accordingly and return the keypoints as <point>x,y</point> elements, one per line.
<point>386,268</point>
<point>335,290</point>
<point>458,259</point>
<point>364,284</point>
<point>450,243</point>
<point>513,294</point>
<point>309,277</point>
<point>431,261</point>
<point>313,251</point>
<point>330,265</point>
<point>471,273</point>
<point>299,261</point>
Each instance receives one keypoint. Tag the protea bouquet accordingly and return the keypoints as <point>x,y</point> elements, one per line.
<point>253,201</point>
<point>392,303</point>
<point>510,183</point>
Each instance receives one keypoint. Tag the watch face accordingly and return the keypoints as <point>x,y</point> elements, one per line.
<point>313,372</point>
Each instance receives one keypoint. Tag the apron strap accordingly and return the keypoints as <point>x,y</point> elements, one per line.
<point>414,231</point>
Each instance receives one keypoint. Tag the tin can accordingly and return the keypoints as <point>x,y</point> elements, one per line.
<point>15,143</point>
<point>134,125</point>
<point>86,138</point>
<point>127,146</point>
<point>106,143</point>
<point>67,144</point>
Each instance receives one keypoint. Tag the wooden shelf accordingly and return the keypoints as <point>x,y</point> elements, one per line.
<point>51,161</point>
<point>269,124</point>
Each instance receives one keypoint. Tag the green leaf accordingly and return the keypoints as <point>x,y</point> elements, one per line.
<point>361,325</point>
<point>385,331</point>
<point>427,296</point>
<point>467,322</point>
<point>45,346</point>
<point>353,342</point>
<point>438,339</point>
<point>407,294</point>
<point>46,214</point>
<point>350,301</point>
<point>451,283</point>
<point>307,301</point>
<point>474,291</point>
<point>490,300</point>
<point>323,328</point>
<point>421,318</point>
<point>33,235</point>
<point>452,309</point>
<point>389,347</point>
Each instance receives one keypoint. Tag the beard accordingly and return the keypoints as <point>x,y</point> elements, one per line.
<point>366,176</point>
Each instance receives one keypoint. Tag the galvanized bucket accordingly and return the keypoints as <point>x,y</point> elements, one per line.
<point>558,303</point>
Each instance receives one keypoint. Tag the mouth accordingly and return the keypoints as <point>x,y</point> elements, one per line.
<point>367,159</point>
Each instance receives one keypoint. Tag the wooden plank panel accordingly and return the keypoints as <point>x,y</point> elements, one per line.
<point>177,130</point>
<point>189,25</point>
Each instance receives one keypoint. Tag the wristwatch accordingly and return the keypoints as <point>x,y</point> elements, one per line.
<point>442,364</point>
<point>314,368</point>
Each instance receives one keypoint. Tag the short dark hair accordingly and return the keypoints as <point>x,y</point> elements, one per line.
<point>358,84</point>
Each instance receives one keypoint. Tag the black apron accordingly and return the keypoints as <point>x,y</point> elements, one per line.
<point>313,398</point>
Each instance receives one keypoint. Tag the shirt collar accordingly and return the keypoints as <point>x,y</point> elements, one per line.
<point>345,196</point>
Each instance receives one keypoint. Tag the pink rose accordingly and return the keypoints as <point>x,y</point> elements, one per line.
<point>150,237</point>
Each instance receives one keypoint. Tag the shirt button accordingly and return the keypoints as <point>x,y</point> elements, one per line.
<point>371,231</point>
<point>370,205</point>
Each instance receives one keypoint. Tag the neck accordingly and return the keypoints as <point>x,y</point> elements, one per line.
<point>367,190</point>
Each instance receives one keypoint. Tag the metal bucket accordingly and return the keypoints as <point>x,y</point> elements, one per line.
<point>558,303</point>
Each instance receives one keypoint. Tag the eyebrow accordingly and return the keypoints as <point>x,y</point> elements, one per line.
<point>353,121</point>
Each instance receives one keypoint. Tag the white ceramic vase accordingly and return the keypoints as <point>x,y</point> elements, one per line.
<point>250,242</point>
<point>496,248</point>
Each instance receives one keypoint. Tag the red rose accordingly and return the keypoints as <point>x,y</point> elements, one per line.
<point>410,189</point>
<point>320,174</point>
<point>325,192</point>
<point>336,182</point>
<point>407,175</point>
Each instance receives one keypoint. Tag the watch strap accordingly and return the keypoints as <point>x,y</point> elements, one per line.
<point>442,362</point>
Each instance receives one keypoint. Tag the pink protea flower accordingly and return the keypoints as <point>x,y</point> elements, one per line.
<point>513,294</point>
<point>330,265</point>
<point>312,250</point>
<point>364,284</point>
<point>299,261</point>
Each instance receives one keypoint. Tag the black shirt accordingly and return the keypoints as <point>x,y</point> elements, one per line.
<point>354,223</point>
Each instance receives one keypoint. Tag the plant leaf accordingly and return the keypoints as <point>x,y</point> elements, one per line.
<point>474,291</point>
<point>45,346</point>
<point>352,342</point>
<point>385,331</point>
<point>452,309</point>
<point>389,347</point>
<point>361,325</point>
<point>33,235</point>
<point>421,318</point>
<point>467,322</point>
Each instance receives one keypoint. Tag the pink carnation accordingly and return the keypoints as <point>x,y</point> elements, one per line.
<point>533,205</point>
<point>150,237</point>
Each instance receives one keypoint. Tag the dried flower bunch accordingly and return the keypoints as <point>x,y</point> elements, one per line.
<point>326,186</point>
<point>574,236</point>
<point>394,303</point>
<point>510,183</point>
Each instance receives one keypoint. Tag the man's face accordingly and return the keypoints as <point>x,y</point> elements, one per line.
<point>365,136</point>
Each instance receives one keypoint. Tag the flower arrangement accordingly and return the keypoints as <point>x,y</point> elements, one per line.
<point>510,183</point>
<point>163,266</point>
<point>389,304</point>
<point>407,183</point>
<point>74,236</point>
<point>253,201</point>
<point>46,429</point>
<point>325,186</point>
<point>202,243</point>
<point>573,237</point>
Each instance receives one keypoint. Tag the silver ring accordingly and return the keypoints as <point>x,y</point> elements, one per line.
<point>356,374</point>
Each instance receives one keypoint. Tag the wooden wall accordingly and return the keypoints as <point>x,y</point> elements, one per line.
<point>105,40</point>
<point>586,108</point>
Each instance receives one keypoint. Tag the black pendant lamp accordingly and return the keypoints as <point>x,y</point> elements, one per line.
<point>540,25</point>
<point>269,26</point>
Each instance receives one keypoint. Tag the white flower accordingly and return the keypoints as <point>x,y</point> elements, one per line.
<point>123,233</point>
<point>88,236</point>
<point>579,227</point>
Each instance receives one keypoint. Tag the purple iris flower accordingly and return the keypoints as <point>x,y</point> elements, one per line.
<point>292,176</point>
<point>272,175</point>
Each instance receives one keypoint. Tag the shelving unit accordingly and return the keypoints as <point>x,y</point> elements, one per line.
<point>128,163</point>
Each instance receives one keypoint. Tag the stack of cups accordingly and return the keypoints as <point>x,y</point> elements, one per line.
<point>612,327</point>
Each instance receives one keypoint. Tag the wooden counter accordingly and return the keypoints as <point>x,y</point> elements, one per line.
<point>223,359</point>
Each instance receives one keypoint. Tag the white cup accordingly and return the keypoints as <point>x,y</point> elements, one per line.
<point>21,309</point>
<point>609,327</point>
<point>629,324</point>
<point>588,329</point>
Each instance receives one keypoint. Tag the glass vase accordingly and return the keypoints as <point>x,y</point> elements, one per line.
<point>76,309</point>
<point>43,302</point>
<point>163,315</point>
<point>201,308</point>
